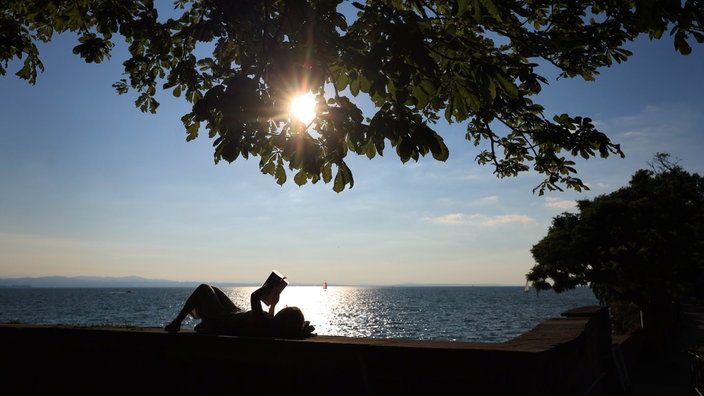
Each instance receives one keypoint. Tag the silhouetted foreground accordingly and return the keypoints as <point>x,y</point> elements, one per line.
<point>562,356</point>
<point>670,374</point>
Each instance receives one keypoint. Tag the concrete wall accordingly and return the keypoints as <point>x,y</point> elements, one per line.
<point>570,355</point>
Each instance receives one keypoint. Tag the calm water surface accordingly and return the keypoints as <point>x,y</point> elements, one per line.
<point>482,314</point>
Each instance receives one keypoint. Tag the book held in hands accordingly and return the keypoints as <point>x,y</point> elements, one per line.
<point>279,283</point>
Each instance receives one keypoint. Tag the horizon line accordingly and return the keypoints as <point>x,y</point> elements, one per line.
<point>138,279</point>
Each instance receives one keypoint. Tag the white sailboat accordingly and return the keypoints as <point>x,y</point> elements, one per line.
<point>527,288</point>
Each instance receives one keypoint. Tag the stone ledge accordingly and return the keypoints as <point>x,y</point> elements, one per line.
<point>557,357</point>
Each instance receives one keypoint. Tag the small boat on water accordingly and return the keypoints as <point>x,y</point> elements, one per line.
<point>527,288</point>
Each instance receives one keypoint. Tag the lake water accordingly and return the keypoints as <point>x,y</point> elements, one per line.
<point>471,313</point>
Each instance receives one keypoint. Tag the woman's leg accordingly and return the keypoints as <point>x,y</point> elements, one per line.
<point>225,300</point>
<point>207,301</point>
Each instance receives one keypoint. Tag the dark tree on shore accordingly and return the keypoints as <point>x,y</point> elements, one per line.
<point>239,62</point>
<point>641,245</point>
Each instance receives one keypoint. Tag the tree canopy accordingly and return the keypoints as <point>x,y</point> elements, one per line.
<point>641,244</point>
<point>239,63</point>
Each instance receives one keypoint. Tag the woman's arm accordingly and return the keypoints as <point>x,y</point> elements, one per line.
<point>273,306</point>
<point>256,300</point>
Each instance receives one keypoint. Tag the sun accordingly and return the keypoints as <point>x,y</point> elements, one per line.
<point>303,108</point>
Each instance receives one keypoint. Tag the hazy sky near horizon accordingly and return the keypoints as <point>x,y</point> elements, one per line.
<point>92,186</point>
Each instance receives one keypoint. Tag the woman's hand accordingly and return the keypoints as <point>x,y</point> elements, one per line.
<point>272,307</point>
<point>259,294</point>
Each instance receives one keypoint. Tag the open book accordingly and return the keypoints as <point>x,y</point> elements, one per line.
<point>279,284</point>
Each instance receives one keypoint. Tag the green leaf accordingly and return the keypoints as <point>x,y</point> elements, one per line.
<point>698,36</point>
<point>354,87</point>
<point>339,184</point>
<point>681,44</point>
<point>493,10</point>
<point>327,172</point>
<point>462,6</point>
<point>280,173</point>
<point>370,150</point>
<point>508,86</point>
<point>343,177</point>
<point>27,71</point>
<point>300,178</point>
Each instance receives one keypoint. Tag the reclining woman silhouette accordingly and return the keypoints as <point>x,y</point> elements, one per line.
<point>219,315</point>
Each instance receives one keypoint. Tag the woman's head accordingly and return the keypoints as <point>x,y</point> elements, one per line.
<point>290,323</point>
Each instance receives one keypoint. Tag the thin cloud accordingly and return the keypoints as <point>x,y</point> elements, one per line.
<point>648,126</point>
<point>454,218</point>
<point>490,199</point>
<point>604,186</point>
<point>506,219</point>
<point>552,202</point>
<point>479,219</point>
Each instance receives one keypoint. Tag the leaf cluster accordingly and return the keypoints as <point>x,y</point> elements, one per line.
<point>239,62</point>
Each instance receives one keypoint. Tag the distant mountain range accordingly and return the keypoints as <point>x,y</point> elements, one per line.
<point>96,281</point>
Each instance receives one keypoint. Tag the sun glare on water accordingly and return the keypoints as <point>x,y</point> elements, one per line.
<point>303,108</point>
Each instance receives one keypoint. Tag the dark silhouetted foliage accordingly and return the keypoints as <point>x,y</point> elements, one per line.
<point>238,63</point>
<point>642,245</point>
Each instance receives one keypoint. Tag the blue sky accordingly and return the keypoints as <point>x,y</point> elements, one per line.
<point>92,186</point>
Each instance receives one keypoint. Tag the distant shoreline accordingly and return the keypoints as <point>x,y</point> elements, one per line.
<point>136,281</point>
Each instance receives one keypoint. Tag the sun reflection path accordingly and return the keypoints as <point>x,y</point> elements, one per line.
<point>337,310</point>
<point>319,306</point>
<point>343,311</point>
